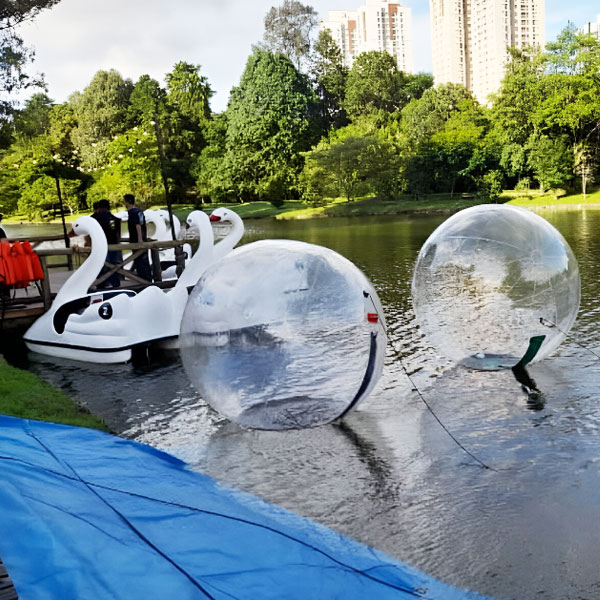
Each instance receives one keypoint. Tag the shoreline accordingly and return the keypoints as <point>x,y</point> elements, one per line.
<point>25,395</point>
<point>338,209</point>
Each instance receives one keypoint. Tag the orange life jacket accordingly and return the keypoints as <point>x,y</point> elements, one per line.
<point>22,265</point>
<point>19,264</point>
<point>36,265</point>
<point>7,272</point>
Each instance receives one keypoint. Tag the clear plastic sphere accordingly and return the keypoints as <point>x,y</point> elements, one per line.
<point>489,280</point>
<point>282,334</point>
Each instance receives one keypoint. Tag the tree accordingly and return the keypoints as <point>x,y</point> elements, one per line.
<point>14,55</point>
<point>550,160</point>
<point>572,53</point>
<point>584,162</point>
<point>133,167</point>
<point>211,181</point>
<point>288,28</point>
<point>423,117</point>
<point>350,163</point>
<point>184,125</point>
<point>147,100</point>
<point>34,118</point>
<point>372,85</point>
<point>270,121</point>
<point>339,167</point>
<point>455,144</point>
<point>42,152</point>
<point>514,160</point>
<point>189,92</point>
<point>101,112</point>
<point>518,98</point>
<point>375,86</point>
<point>329,77</point>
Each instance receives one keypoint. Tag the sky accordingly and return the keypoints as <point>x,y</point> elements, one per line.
<point>76,38</point>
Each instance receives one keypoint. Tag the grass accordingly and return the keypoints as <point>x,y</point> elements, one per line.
<point>247,210</point>
<point>340,207</point>
<point>369,206</point>
<point>24,395</point>
<point>534,198</point>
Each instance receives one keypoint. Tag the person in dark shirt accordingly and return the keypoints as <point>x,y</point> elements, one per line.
<point>3,237</point>
<point>111,226</point>
<point>136,224</point>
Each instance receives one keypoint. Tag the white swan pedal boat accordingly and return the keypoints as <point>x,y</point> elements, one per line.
<point>103,327</point>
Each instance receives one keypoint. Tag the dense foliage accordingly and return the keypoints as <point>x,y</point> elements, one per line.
<point>302,125</point>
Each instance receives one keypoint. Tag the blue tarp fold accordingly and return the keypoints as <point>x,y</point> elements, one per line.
<point>88,515</point>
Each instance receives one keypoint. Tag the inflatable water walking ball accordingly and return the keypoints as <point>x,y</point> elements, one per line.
<point>495,286</point>
<point>282,334</point>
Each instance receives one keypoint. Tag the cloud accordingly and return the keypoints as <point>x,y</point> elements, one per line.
<point>76,38</point>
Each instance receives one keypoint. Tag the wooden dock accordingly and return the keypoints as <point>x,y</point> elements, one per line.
<point>20,307</point>
<point>7,589</point>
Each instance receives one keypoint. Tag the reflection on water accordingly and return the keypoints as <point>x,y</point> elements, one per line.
<point>388,475</point>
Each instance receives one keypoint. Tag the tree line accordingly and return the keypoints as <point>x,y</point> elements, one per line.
<point>300,125</point>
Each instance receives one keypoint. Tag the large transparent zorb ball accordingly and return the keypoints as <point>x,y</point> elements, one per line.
<point>495,284</point>
<point>282,334</point>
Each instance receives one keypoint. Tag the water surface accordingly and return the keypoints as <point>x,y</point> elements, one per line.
<point>388,475</point>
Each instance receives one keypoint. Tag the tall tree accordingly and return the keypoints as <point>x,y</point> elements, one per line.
<point>288,29</point>
<point>569,99</point>
<point>376,87</point>
<point>32,163</point>
<point>517,98</point>
<point>101,111</point>
<point>189,92</point>
<point>34,118</point>
<point>329,78</point>
<point>269,123</point>
<point>188,114</point>
<point>147,100</point>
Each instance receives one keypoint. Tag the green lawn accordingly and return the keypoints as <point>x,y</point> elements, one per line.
<point>537,199</point>
<point>340,207</point>
<point>23,394</point>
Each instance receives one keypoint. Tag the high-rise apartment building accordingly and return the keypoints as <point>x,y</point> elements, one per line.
<point>592,28</point>
<point>470,39</point>
<point>382,25</point>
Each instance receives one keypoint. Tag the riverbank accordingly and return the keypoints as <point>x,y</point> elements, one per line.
<point>369,206</point>
<point>24,395</point>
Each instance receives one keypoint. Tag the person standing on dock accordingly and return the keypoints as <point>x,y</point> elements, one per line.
<point>3,237</point>
<point>136,224</point>
<point>111,226</point>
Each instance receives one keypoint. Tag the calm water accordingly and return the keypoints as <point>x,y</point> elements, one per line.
<point>388,475</point>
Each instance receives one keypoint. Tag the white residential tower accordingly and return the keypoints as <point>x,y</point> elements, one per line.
<point>470,39</point>
<point>383,25</point>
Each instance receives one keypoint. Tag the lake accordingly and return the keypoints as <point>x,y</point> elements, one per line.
<point>388,475</point>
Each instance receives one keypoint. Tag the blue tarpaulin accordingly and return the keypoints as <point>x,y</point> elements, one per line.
<point>87,515</point>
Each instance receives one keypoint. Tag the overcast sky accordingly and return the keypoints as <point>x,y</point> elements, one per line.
<point>76,38</point>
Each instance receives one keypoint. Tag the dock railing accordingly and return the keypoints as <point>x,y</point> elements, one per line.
<point>136,282</point>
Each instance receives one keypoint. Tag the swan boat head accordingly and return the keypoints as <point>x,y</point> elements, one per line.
<point>232,238</point>
<point>204,256</point>
<point>164,215</point>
